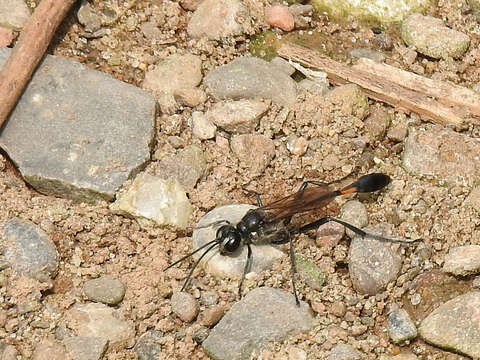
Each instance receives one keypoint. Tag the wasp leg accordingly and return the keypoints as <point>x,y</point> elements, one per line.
<point>246,269</point>
<point>324,220</point>
<point>257,196</point>
<point>283,237</point>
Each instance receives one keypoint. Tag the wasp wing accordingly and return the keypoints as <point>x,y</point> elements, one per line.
<point>311,198</point>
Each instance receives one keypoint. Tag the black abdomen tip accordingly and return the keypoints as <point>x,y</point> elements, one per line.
<point>372,182</point>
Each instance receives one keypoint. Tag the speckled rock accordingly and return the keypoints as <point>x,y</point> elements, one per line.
<point>216,19</point>
<point>150,198</point>
<point>400,327</point>
<point>444,154</point>
<point>250,324</point>
<point>14,14</point>
<point>238,117</point>
<point>250,78</point>
<point>28,249</point>
<point>231,266</point>
<point>254,151</point>
<point>372,264</point>
<point>184,306</point>
<point>455,325</point>
<point>148,346</point>
<point>106,289</point>
<point>385,11</point>
<point>430,37</point>
<point>463,260</point>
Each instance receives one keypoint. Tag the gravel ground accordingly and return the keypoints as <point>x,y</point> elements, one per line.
<point>91,241</point>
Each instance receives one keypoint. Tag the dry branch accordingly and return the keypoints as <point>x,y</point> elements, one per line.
<point>439,101</point>
<point>29,50</point>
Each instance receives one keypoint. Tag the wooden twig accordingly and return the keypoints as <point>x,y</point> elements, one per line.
<point>29,50</point>
<point>438,101</point>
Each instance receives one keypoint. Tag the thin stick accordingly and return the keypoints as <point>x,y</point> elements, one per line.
<point>395,87</point>
<point>28,52</point>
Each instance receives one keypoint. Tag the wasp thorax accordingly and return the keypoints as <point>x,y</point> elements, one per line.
<point>251,222</point>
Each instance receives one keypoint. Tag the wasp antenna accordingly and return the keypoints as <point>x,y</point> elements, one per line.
<point>196,263</point>
<point>192,253</point>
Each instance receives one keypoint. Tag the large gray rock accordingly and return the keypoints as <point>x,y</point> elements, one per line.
<point>264,315</point>
<point>250,78</point>
<point>430,37</point>
<point>455,325</point>
<point>385,11</point>
<point>445,154</point>
<point>28,249</point>
<point>78,133</point>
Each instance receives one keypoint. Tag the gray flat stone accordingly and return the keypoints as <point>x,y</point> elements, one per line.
<point>445,154</point>
<point>78,133</point>
<point>29,250</point>
<point>264,315</point>
<point>231,266</point>
<point>455,325</point>
<point>250,78</point>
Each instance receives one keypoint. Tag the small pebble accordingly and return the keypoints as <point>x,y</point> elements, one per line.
<point>106,289</point>
<point>211,316</point>
<point>280,17</point>
<point>184,306</point>
<point>297,145</point>
<point>200,334</point>
<point>400,327</point>
<point>338,309</point>
<point>202,128</point>
<point>329,234</point>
